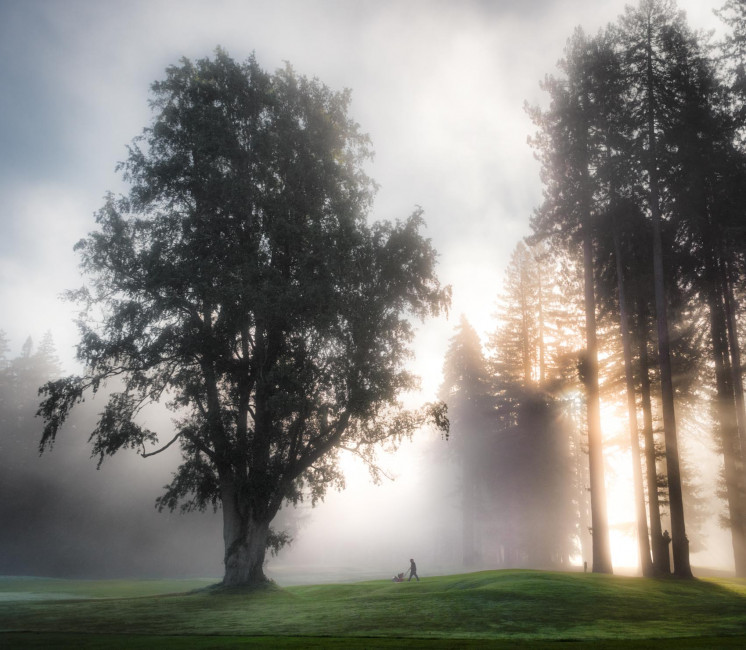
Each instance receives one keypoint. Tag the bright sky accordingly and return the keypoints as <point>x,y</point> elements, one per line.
<point>439,86</point>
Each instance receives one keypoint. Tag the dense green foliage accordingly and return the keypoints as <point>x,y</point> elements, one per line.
<point>240,283</point>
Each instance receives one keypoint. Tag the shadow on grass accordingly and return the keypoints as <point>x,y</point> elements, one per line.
<point>219,589</point>
<point>139,642</point>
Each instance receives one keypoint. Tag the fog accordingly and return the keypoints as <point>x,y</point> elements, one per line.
<point>64,518</point>
<point>438,85</point>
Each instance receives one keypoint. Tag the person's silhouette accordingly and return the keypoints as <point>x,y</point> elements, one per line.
<point>413,570</point>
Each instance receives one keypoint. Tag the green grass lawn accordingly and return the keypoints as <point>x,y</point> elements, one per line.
<point>521,609</point>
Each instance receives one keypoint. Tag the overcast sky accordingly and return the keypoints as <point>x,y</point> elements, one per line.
<point>438,85</point>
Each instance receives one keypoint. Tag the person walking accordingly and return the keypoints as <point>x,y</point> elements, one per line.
<point>413,570</point>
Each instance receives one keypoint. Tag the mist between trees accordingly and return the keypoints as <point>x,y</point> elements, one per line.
<point>642,160</point>
<point>63,518</point>
<point>626,295</point>
<point>241,279</point>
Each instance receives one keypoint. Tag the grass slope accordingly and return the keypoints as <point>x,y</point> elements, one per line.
<point>518,608</point>
<point>15,588</point>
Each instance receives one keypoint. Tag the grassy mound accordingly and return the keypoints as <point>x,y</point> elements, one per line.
<point>524,608</point>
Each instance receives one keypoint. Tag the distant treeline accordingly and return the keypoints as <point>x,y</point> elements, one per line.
<point>60,517</point>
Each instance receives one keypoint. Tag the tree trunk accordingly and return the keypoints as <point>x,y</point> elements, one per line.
<point>661,558</point>
<point>726,413</point>
<point>643,542</point>
<point>468,541</point>
<point>583,492</point>
<point>542,345</point>
<point>680,543</point>
<point>735,354</point>
<point>525,331</point>
<point>245,539</point>
<point>599,523</point>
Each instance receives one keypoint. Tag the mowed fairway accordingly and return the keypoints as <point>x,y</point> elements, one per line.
<point>488,609</point>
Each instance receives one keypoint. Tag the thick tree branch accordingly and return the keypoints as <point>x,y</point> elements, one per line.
<point>145,454</point>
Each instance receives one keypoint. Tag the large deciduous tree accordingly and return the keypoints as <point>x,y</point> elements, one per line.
<point>241,282</point>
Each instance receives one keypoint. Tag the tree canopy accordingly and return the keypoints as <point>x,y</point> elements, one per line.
<point>241,282</point>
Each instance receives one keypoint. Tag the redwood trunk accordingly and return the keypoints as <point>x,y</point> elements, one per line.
<point>643,542</point>
<point>542,347</point>
<point>468,546</point>
<point>735,355</point>
<point>726,410</point>
<point>524,326</point>
<point>599,524</point>
<point>680,543</point>
<point>661,557</point>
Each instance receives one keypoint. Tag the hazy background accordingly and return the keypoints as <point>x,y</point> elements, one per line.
<point>439,86</point>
